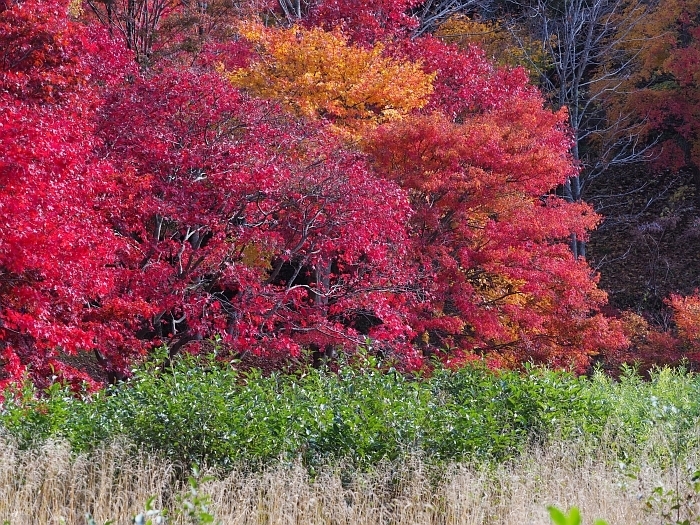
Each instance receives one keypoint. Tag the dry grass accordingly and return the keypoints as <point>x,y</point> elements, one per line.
<point>43,486</point>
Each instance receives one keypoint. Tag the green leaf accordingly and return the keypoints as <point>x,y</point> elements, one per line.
<point>557,516</point>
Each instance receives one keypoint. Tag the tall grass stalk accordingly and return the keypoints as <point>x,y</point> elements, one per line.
<point>49,484</point>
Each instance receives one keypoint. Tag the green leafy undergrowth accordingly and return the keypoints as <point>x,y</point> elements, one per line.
<point>660,414</point>
<point>201,411</point>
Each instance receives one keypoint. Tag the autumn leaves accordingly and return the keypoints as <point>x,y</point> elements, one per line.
<point>320,74</point>
<point>337,183</point>
<point>491,249</point>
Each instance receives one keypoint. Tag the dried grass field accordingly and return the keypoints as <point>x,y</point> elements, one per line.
<point>49,485</point>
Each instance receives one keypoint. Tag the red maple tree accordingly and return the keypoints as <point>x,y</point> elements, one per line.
<point>56,246</point>
<point>167,206</point>
<point>248,223</point>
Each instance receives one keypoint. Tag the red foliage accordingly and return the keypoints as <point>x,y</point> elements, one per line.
<point>648,346</point>
<point>365,21</point>
<point>466,81</point>
<point>56,249</point>
<point>251,224</point>
<point>167,206</point>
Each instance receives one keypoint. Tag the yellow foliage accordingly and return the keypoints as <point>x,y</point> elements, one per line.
<point>494,288</point>
<point>500,45</point>
<point>318,74</point>
<point>75,8</point>
<point>255,256</point>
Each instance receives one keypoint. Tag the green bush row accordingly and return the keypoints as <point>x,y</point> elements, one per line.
<point>204,412</point>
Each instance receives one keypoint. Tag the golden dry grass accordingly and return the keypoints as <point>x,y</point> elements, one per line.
<point>49,484</point>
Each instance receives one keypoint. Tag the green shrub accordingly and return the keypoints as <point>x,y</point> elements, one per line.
<point>202,411</point>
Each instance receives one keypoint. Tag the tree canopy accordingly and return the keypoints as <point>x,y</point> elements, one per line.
<point>276,192</point>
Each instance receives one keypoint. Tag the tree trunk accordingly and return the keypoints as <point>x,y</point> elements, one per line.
<point>572,193</point>
<point>323,283</point>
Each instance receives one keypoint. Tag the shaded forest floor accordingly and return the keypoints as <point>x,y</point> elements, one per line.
<point>648,245</point>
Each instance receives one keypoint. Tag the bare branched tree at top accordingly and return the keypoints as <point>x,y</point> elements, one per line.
<point>432,13</point>
<point>590,47</point>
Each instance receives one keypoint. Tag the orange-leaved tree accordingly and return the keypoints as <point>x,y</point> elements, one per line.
<point>686,316</point>
<point>318,74</point>
<point>665,85</point>
<point>493,243</point>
